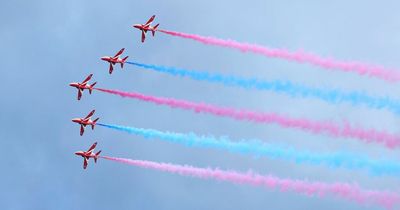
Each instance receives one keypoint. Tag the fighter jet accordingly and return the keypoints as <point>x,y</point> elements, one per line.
<point>115,59</point>
<point>147,27</point>
<point>83,85</point>
<point>86,121</point>
<point>88,154</point>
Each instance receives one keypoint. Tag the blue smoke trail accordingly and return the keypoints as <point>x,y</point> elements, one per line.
<point>294,90</point>
<point>258,149</point>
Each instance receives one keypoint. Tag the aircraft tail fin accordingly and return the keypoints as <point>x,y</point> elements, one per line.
<point>154,29</point>
<point>123,61</point>
<point>94,122</point>
<point>91,87</point>
<point>97,156</point>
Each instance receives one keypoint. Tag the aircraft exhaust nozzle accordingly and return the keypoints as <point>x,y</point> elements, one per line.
<point>97,156</point>
<point>91,87</point>
<point>94,123</point>
<point>154,29</point>
<point>123,61</point>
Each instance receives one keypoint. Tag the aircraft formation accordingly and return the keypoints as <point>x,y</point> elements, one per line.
<point>258,148</point>
<point>84,85</point>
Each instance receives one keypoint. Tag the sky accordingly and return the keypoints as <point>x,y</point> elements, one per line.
<point>47,44</point>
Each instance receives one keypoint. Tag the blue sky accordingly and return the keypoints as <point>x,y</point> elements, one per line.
<point>47,44</point>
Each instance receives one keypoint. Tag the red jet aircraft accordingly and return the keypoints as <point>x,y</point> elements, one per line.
<point>147,27</point>
<point>84,85</point>
<point>88,154</point>
<point>86,121</point>
<point>115,59</point>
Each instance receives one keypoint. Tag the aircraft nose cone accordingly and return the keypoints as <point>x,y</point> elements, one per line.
<point>136,26</point>
<point>75,120</point>
<point>79,153</point>
<point>103,58</point>
<point>72,84</point>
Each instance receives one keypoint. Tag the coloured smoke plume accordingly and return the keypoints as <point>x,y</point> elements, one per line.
<point>317,127</point>
<point>390,75</point>
<point>258,148</point>
<point>295,90</point>
<point>320,189</point>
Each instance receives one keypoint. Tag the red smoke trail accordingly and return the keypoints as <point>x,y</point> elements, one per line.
<point>343,190</point>
<point>298,56</point>
<point>390,140</point>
